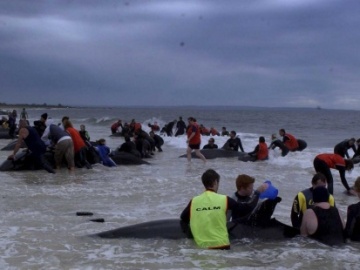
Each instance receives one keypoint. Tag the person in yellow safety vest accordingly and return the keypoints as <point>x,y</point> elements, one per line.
<point>304,200</point>
<point>206,214</point>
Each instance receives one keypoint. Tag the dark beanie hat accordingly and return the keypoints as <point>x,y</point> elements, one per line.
<point>44,115</point>
<point>320,194</point>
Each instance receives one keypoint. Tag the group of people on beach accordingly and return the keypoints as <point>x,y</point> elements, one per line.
<point>313,213</point>
<point>63,141</point>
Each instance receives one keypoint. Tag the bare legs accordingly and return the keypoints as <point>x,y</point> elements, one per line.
<point>197,153</point>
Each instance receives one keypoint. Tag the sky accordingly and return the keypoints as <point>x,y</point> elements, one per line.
<point>268,53</point>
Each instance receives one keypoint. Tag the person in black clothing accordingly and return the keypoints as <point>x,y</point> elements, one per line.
<point>34,144</point>
<point>352,227</point>
<point>129,147</point>
<point>180,127</point>
<point>12,124</point>
<point>304,200</point>
<point>224,132</point>
<point>158,141</point>
<point>234,143</point>
<point>245,195</point>
<point>168,128</point>
<point>343,147</point>
<point>323,222</point>
<point>40,125</point>
<point>211,144</point>
<point>275,142</point>
<point>357,152</point>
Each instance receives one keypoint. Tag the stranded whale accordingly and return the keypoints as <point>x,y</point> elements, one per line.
<point>219,153</point>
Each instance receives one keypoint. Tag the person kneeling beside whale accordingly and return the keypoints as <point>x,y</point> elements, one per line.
<point>255,213</point>
<point>323,222</point>
<point>210,208</point>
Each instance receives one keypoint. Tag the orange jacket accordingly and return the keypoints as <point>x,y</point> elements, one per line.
<point>263,152</point>
<point>197,137</point>
<point>291,143</point>
<point>76,138</point>
<point>332,160</point>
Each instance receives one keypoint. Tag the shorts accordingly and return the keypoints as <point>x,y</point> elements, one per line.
<point>194,146</point>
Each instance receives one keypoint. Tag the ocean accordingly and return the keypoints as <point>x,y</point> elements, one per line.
<point>40,230</point>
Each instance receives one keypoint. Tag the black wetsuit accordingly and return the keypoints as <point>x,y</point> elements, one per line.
<point>330,228</point>
<point>181,127</point>
<point>168,128</point>
<point>343,147</point>
<point>281,145</point>
<point>40,127</point>
<point>158,142</point>
<point>256,213</point>
<point>233,144</point>
<point>38,149</point>
<point>210,146</point>
<point>127,147</point>
<point>353,222</point>
<point>12,126</point>
<point>247,203</point>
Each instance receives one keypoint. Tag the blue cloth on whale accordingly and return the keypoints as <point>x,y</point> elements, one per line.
<point>104,152</point>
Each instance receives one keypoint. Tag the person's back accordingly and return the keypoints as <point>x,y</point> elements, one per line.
<point>209,208</point>
<point>34,142</point>
<point>104,152</point>
<point>304,199</point>
<point>343,147</point>
<point>76,138</point>
<point>323,222</point>
<point>24,114</point>
<point>180,127</point>
<point>330,227</point>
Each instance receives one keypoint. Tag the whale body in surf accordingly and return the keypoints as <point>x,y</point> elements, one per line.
<point>220,153</point>
<point>258,224</point>
<point>24,161</point>
<point>11,145</point>
<point>175,229</point>
<point>124,158</point>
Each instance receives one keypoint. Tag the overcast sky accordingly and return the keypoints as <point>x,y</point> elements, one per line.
<point>273,53</point>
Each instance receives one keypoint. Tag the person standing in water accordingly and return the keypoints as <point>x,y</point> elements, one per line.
<point>194,139</point>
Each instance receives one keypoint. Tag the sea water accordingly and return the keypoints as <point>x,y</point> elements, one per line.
<point>40,230</point>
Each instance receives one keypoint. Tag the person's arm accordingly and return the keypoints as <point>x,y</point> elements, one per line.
<point>185,215</point>
<point>347,154</point>
<point>341,218</point>
<point>309,223</point>
<point>255,151</point>
<point>349,221</point>
<point>45,136</point>
<point>23,133</point>
<point>341,170</point>
<point>296,214</point>
<point>240,145</point>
